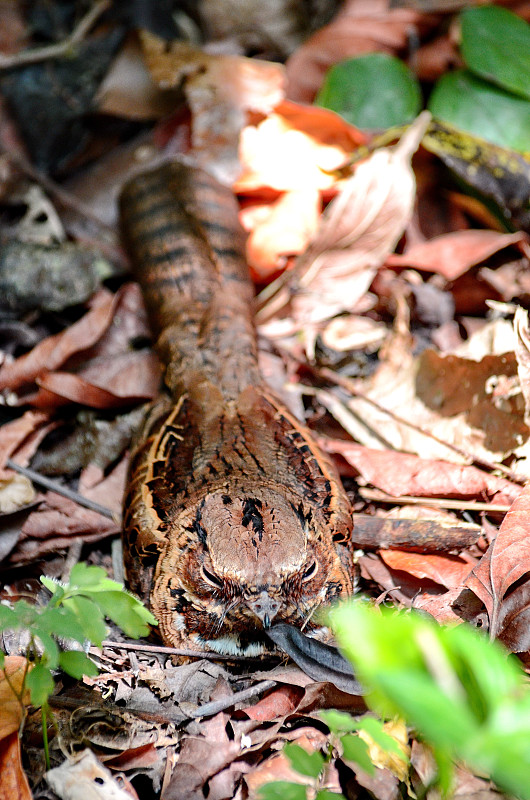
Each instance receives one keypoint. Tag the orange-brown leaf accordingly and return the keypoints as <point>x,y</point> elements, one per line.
<point>449,571</point>
<point>13,781</point>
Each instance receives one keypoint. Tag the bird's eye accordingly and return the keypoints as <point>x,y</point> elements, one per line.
<point>212,579</point>
<point>310,572</point>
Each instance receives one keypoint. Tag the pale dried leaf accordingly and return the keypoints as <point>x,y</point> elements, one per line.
<point>16,491</point>
<point>85,778</point>
<point>522,354</point>
<point>358,230</point>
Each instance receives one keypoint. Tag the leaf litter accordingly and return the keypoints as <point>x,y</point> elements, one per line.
<point>393,311</point>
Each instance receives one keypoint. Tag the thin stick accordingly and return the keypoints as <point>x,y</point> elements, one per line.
<point>60,49</point>
<point>348,384</point>
<point>210,709</point>
<point>175,651</point>
<point>437,502</point>
<point>58,488</point>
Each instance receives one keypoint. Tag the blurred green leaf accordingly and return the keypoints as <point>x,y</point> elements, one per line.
<point>478,107</point>
<point>495,45</point>
<point>39,681</point>
<point>8,619</point>
<point>305,763</point>
<point>90,617</point>
<point>77,664</point>
<point>325,794</point>
<point>355,749</point>
<point>126,611</point>
<point>374,727</point>
<point>373,91</point>
<point>283,790</point>
<point>339,721</point>
<point>60,622</point>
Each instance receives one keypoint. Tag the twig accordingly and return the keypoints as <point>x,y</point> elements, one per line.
<point>348,384</point>
<point>176,651</point>
<point>61,49</point>
<point>209,709</point>
<point>437,502</point>
<point>58,488</point>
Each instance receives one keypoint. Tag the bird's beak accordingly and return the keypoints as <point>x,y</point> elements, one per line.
<point>264,607</point>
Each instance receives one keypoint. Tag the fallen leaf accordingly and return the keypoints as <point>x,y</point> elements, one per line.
<point>220,89</point>
<point>522,354</point>
<point>359,27</point>
<point>452,254</point>
<point>280,230</point>
<point>358,230</point>
<point>85,776</point>
<point>13,433</point>
<point>278,703</point>
<point>403,474</point>
<point>16,491</point>
<point>448,571</point>
<point>52,352</point>
<point>14,784</point>
<point>13,709</point>
<point>494,580</point>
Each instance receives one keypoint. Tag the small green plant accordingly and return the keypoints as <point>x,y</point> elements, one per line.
<point>463,694</point>
<point>75,611</point>
<point>345,741</point>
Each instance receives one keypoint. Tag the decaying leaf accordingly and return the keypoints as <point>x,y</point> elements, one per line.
<point>13,781</point>
<point>16,492</point>
<point>13,706</point>
<point>449,571</point>
<point>85,776</point>
<point>220,90</point>
<point>501,579</point>
<point>454,253</point>
<point>522,354</point>
<point>496,173</point>
<point>357,232</point>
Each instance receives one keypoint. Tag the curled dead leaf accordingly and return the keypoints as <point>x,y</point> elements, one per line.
<point>358,230</point>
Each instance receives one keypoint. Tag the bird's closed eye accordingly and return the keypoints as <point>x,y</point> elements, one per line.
<point>310,572</point>
<point>212,579</point>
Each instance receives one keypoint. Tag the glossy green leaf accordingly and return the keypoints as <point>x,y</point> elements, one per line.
<point>355,749</point>
<point>126,611</point>
<point>90,618</point>
<point>496,46</point>
<point>39,681</point>
<point>473,105</point>
<point>283,790</point>
<point>77,664</point>
<point>373,91</point>
<point>303,762</point>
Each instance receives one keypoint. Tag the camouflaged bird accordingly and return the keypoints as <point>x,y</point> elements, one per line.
<point>233,517</point>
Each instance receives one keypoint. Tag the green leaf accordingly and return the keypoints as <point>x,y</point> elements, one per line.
<point>373,91</point>
<point>39,681</point>
<point>60,622</point>
<point>374,727</point>
<point>77,664</point>
<point>305,763</point>
<point>84,576</point>
<point>283,790</point>
<point>480,108</point>
<point>90,618</point>
<point>2,659</point>
<point>339,721</point>
<point>496,46</point>
<point>8,618</point>
<point>354,749</point>
<point>325,794</point>
<point>49,645</point>
<point>126,611</point>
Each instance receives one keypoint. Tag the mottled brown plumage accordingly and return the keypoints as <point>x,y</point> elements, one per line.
<point>233,517</point>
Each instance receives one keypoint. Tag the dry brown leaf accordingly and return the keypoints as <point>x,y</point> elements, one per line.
<point>404,474</point>
<point>357,231</point>
<point>85,776</point>
<point>220,89</point>
<point>13,781</point>
<point>362,26</point>
<point>497,579</point>
<point>52,352</point>
<point>16,491</point>
<point>13,433</point>
<point>448,571</point>
<point>15,667</point>
<point>452,254</point>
